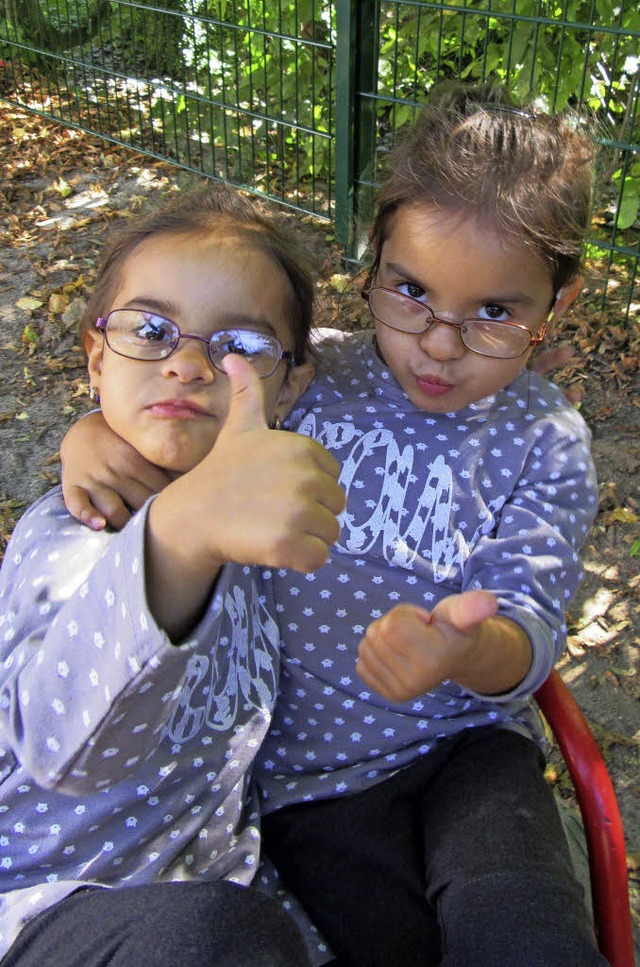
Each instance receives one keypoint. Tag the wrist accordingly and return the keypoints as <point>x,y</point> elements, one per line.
<point>175,533</point>
<point>498,659</point>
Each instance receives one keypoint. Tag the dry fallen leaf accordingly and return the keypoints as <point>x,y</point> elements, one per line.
<point>58,302</point>
<point>28,303</point>
<point>621,515</point>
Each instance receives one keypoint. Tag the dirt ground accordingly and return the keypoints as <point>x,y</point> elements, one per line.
<point>61,191</point>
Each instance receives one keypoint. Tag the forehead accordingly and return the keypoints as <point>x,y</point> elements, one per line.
<point>202,278</point>
<point>229,250</point>
<point>432,244</point>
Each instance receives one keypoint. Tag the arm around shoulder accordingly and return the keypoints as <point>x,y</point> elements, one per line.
<point>104,478</point>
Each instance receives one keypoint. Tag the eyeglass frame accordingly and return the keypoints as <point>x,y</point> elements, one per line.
<point>102,325</point>
<point>533,340</point>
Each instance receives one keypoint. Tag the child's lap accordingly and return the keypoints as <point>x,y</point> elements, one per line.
<point>487,782</point>
<point>477,811</point>
<point>161,925</point>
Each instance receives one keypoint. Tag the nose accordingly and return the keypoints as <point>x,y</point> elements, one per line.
<point>189,362</point>
<point>442,340</point>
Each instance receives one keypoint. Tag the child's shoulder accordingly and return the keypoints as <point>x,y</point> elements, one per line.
<point>49,507</point>
<point>541,401</point>
<point>339,351</point>
<point>538,393</point>
<point>46,524</point>
<point>328,334</point>
<point>326,340</point>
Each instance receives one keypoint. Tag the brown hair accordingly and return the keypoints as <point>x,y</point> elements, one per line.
<point>474,151</point>
<point>209,209</point>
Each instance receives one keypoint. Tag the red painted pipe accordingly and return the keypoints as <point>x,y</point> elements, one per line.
<point>601,819</point>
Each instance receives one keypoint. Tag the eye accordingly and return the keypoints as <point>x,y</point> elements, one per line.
<point>493,312</point>
<point>412,289</point>
<point>152,329</point>
<point>242,343</point>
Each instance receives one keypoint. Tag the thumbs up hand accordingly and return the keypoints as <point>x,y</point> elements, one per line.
<point>274,494</point>
<point>246,406</point>
<point>260,496</point>
<point>410,651</point>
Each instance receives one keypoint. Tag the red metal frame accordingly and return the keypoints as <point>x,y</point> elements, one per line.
<point>601,819</point>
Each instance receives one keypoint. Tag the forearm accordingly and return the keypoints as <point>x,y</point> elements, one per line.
<point>499,660</point>
<point>180,572</point>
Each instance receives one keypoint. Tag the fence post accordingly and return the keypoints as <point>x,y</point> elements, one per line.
<point>355,131</point>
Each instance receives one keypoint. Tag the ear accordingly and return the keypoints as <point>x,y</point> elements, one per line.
<point>93,342</point>
<point>565,297</point>
<point>298,378</point>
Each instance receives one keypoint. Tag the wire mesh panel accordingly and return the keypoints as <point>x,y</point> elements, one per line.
<point>301,100</point>
<point>567,53</point>
<point>241,90</point>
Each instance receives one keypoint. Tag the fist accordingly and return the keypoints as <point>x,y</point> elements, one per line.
<point>274,494</point>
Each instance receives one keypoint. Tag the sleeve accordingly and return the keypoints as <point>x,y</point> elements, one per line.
<point>87,678</point>
<point>531,560</point>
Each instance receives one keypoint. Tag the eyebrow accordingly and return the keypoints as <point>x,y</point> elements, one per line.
<point>235,320</point>
<point>513,298</point>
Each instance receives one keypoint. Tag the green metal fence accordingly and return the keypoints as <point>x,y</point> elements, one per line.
<point>241,91</point>
<point>301,100</point>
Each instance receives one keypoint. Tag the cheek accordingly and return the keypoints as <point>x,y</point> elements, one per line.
<point>503,371</point>
<point>488,376</point>
<point>120,387</point>
<point>392,347</point>
<point>274,390</point>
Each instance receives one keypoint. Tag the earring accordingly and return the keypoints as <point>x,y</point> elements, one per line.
<point>276,423</point>
<point>94,394</point>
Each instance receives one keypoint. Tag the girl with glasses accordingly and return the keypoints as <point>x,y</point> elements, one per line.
<point>402,779</point>
<point>140,669</point>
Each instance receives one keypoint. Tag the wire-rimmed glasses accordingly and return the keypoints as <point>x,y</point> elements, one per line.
<point>501,340</point>
<point>143,335</point>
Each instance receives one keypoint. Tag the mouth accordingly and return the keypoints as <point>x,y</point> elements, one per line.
<point>177,409</point>
<point>433,385</point>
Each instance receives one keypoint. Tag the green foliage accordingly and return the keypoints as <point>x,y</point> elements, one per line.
<point>244,89</point>
<point>526,45</point>
<point>152,38</point>
<point>257,88</point>
<point>628,196</point>
<point>61,14</point>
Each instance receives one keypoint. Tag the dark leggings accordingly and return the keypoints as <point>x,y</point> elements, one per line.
<point>163,925</point>
<point>459,860</point>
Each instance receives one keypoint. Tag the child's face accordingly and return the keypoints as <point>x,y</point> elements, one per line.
<point>171,410</point>
<point>462,269</point>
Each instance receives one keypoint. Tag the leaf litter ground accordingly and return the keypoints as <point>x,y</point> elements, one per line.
<point>60,193</point>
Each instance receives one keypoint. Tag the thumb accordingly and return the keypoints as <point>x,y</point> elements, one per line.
<point>463,611</point>
<point>246,406</point>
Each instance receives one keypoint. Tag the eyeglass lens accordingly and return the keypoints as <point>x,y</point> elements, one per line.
<point>145,335</point>
<point>501,340</point>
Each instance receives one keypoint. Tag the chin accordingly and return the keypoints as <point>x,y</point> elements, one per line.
<point>174,463</point>
<point>179,467</point>
<point>437,404</point>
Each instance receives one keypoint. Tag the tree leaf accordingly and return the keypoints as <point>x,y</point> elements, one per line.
<point>29,303</point>
<point>629,203</point>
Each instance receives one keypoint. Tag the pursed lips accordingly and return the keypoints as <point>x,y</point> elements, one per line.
<point>433,385</point>
<point>177,409</point>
